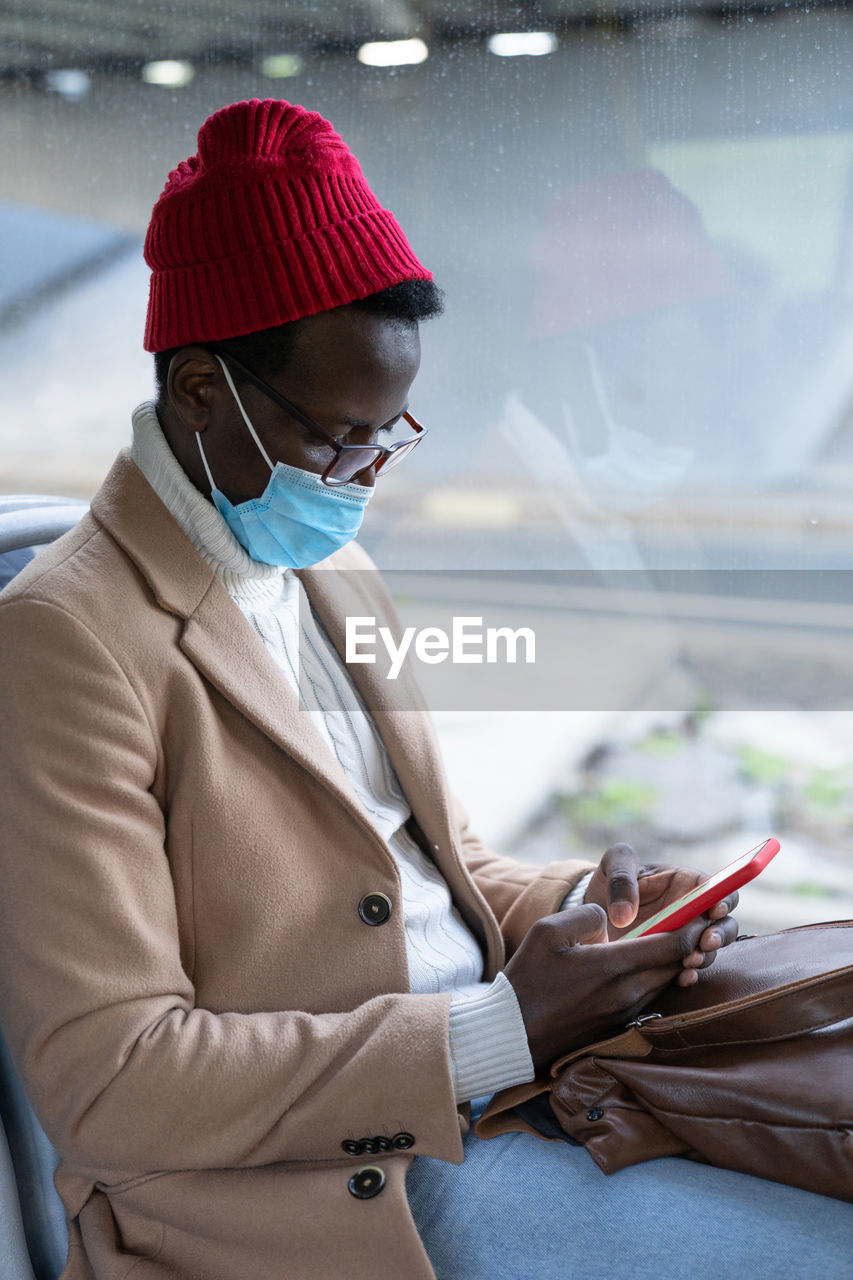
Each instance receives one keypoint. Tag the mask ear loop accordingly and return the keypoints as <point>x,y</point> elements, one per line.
<point>252,430</point>
<point>210,479</point>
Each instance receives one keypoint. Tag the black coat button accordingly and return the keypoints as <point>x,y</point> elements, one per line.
<point>369,1146</point>
<point>367,1183</point>
<point>352,1147</point>
<point>594,1113</point>
<point>375,908</point>
<point>403,1141</point>
<point>383,1144</point>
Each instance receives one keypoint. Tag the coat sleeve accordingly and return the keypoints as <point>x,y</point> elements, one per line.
<point>125,1072</point>
<point>519,894</point>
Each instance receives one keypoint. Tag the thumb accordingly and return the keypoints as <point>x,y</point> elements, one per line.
<point>584,924</point>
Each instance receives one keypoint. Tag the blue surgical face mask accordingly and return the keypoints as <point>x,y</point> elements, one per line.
<point>297,521</point>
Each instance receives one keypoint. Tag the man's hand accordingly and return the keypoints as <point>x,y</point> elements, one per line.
<point>573,986</point>
<point>631,892</point>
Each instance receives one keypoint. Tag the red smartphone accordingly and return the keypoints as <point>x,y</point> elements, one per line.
<point>703,897</point>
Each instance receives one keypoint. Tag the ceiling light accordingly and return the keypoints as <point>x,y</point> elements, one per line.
<point>278,66</point>
<point>514,44</point>
<point>69,82</point>
<point>393,53</point>
<point>171,73</point>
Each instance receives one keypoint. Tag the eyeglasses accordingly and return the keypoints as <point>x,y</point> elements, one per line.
<point>349,459</point>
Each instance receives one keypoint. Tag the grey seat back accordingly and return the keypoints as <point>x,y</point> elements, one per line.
<point>32,1196</point>
<point>14,1259</point>
<point>32,519</point>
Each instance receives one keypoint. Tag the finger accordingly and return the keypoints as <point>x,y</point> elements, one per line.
<point>585,924</point>
<point>711,955</point>
<point>724,907</point>
<point>687,978</point>
<point>706,958</point>
<point>679,941</point>
<point>663,948</point>
<point>719,934</point>
<point>621,866</point>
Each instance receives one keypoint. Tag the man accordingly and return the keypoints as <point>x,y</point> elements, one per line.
<point>255,964</point>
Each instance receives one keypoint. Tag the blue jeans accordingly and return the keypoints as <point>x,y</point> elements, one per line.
<point>523,1209</point>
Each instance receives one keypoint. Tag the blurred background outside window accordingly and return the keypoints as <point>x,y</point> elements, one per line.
<point>643,221</point>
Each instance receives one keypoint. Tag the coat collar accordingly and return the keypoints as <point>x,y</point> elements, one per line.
<point>134,516</point>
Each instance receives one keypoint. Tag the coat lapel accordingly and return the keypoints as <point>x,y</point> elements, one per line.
<point>220,642</point>
<point>348,585</point>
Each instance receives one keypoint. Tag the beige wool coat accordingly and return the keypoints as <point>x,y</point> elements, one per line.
<point>199,1013</point>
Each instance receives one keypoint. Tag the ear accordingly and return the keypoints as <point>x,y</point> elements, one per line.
<point>194,386</point>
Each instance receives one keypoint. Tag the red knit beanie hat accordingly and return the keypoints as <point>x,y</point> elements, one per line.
<point>271,221</point>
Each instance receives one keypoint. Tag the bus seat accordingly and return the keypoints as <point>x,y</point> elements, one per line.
<point>31,1195</point>
<point>28,521</point>
<point>14,1258</point>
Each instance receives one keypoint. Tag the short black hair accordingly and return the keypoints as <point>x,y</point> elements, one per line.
<point>268,351</point>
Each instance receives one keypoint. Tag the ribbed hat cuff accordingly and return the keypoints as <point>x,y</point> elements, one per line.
<point>279,282</point>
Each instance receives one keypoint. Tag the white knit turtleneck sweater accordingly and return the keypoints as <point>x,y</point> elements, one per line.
<point>488,1043</point>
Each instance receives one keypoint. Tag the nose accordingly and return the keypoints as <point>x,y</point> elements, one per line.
<point>367,477</point>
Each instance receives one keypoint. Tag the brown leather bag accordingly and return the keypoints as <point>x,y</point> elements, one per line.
<point>751,1069</point>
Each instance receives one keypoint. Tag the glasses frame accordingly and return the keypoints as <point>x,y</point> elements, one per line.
<point>383,452</point>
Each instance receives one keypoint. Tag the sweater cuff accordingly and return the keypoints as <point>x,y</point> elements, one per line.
<point>488,1042</point>
<point>577,895</point>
